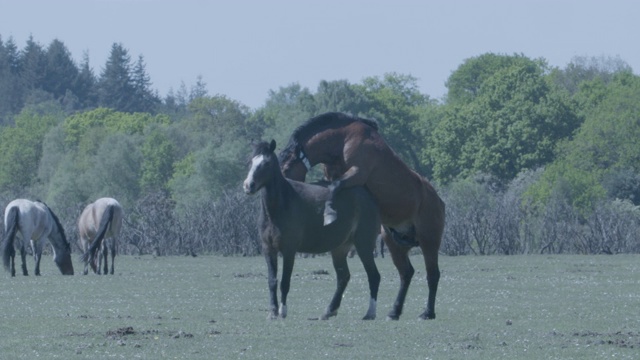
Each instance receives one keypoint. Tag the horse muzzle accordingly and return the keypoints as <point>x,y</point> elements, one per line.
<point>249,187</point>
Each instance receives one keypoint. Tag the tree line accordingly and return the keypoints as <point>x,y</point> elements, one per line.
<point>529,158</point>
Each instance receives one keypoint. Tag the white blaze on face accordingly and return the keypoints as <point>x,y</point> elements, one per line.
<point>255,162</point>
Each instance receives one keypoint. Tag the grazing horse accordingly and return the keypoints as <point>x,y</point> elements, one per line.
<point>36,222</point>
<point>99,227</point>
<point>354,153</point>
<point>291,221</point>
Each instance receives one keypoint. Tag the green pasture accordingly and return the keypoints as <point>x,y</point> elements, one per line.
<point>210,307</point>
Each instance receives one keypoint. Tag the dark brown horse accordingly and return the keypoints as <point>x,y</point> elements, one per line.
<point>354,153</point>
<point>291,221</point>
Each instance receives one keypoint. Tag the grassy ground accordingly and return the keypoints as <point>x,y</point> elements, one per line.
<point>520,307</point>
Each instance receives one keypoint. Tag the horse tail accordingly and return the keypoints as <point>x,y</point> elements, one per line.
<point>107,217</point>
<point>8,250</point>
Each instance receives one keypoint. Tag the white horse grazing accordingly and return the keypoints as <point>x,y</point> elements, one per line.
<point>36,222</point>
<point>99,227</point>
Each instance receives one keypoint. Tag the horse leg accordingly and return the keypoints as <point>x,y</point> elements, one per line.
<point>433,277</point>
<point>36,246</point>
<point>23,257</point>
<point>430,241</point>
<point>352,177</point>
<point>84,246</point>
<point>105,256</point>
<point>12,258</point>
<point>400,257</point>
<point>287,268</point>
<point>373,276</point>
<point>271,256</point>
<point>86,269</point>
<point>339,257</point>
<point>97,262</point>
<point>113,254</point>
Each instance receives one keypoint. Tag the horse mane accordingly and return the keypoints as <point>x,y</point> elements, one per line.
<point>260,148</point>
<point>58,224</point>
<point>317,124</point>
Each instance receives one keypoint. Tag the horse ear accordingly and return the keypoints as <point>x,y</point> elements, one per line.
<point>272,145</point>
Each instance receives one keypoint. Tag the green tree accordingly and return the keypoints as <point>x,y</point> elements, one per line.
<point>466,81</point>
<point>513,123</point>
<point>158,154</point>
<point>216,119</point>
<point>21,147</point>
<point>145,99</point>
<point>114,170</point>
<point>603,152</point>
<point>33,65</point>
<point>115,86</point>
<point>284,110</point>
<point>79,125</point>
<point>340,96</point>
<point>60,70</point>
<point>10,85</point>
<point>582,69</point>
<point>396,103</point>
<point>86,85</point>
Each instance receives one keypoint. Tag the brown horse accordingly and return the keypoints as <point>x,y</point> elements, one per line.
<point>354,153</point>
<point>291,221</point>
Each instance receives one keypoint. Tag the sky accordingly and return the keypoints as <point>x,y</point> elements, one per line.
<point>245,48</point>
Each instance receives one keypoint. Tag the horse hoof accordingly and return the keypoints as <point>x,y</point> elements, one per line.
<point>328,315</point>
<point>329,218</point>
<point>427,316</point>
<point>369,317</point>
<point>392,317</point>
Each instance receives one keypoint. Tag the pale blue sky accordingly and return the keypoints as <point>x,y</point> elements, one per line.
<point>244,48</point>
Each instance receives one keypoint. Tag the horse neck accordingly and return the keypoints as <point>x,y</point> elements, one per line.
<point>57,236</point>
<point>324,146</point>
<point>275,192</point>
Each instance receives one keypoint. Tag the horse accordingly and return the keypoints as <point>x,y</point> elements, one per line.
<point>36,222</point>
<point>291,221</point>
<point>355,154</point>
<point>99,228</point>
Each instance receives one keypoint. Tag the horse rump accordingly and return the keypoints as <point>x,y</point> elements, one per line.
<point>107,217</point>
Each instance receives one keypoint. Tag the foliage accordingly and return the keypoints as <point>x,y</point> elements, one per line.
<point>21,147</point>
<point>158,154</point>
<point>528,158</point>
<point>584,69</point>
<point>512,123</point>
<point>603,149</point>
<point>466,82</point>
<point>395,102</point>
<point>108,120</point>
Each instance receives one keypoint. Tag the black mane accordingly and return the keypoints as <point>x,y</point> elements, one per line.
<point>58,224</point>
<point>261,148</point>
<point>317,124</point>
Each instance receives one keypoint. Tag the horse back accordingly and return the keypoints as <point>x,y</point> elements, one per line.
<point>398,190</point>
<point>34,219</point>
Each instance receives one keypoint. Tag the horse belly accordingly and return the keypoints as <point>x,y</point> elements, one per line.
<point>397,200</point>
<point>320,238</point>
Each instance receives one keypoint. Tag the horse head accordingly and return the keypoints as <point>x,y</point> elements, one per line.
<point>62,253</point>
<point>261,170</point>
<point>294,162</point>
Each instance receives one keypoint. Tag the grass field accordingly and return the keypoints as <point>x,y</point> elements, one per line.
<point>208,307</point>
